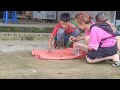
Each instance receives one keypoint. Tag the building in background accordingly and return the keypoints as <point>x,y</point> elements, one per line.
<point>24,14</point>
<point>41,14</point>
<point>110,14</point>
<point>20,14</point>
<point>44,15</point>
<point>114,16</point>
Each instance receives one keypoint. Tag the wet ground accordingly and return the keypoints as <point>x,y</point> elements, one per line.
<point>16,62</point>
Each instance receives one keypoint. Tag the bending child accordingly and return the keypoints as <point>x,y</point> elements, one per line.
<point>101,18</point>
<point>85,37</point>
<point>62,31</point>
<point>102,44</point>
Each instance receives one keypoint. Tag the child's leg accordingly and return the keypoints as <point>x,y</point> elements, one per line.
<point>74,34</point>
<point>103,53</point>
<point>60,37</point>
<point>114,58</point>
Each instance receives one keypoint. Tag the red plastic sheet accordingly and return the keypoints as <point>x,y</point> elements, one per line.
<point>62,54</point>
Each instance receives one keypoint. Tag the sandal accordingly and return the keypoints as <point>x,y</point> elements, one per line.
<point>116,64</point>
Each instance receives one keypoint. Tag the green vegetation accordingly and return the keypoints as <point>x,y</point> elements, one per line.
<point>26,29</point>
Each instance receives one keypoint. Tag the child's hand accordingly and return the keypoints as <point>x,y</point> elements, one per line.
<point>77,44</point>
<point>49,50</point>
<point>75,39</point>
<point>72,39</point>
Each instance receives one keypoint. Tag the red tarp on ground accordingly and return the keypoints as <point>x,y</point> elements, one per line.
<point>63,54</point>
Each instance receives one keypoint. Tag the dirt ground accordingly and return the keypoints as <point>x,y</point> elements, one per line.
<point>16,62</point>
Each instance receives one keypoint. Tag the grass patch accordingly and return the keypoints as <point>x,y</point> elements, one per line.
<point>27,38</point>
<point>26,29</point>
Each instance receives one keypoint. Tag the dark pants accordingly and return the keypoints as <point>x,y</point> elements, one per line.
<point>102,52</point>
<point>62,37</point>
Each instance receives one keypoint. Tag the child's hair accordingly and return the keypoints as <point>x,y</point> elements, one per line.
<point>83,13</point>
<point>84,17</point>
<point>101,17</point>
<point>65,17</point>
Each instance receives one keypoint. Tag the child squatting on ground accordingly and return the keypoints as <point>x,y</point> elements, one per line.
<point>85,37</point>
<point>102,44</point>
<point>62,31</point>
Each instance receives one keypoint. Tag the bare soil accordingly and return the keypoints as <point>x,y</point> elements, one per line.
<point>16,62</point>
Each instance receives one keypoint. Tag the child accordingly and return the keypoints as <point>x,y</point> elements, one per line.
<point>102,17</point>
<point>102,45</point>
<point>75,24</point>
<point>62,31</point>
<point>86,35</point>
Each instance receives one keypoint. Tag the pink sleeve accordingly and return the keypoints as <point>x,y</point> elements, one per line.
<point>94,39</point>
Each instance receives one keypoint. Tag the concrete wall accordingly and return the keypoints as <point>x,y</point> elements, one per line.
<point>23,36</point>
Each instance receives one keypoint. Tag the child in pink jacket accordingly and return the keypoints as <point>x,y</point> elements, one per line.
<point>102,17</point>
<point>102,43</point>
